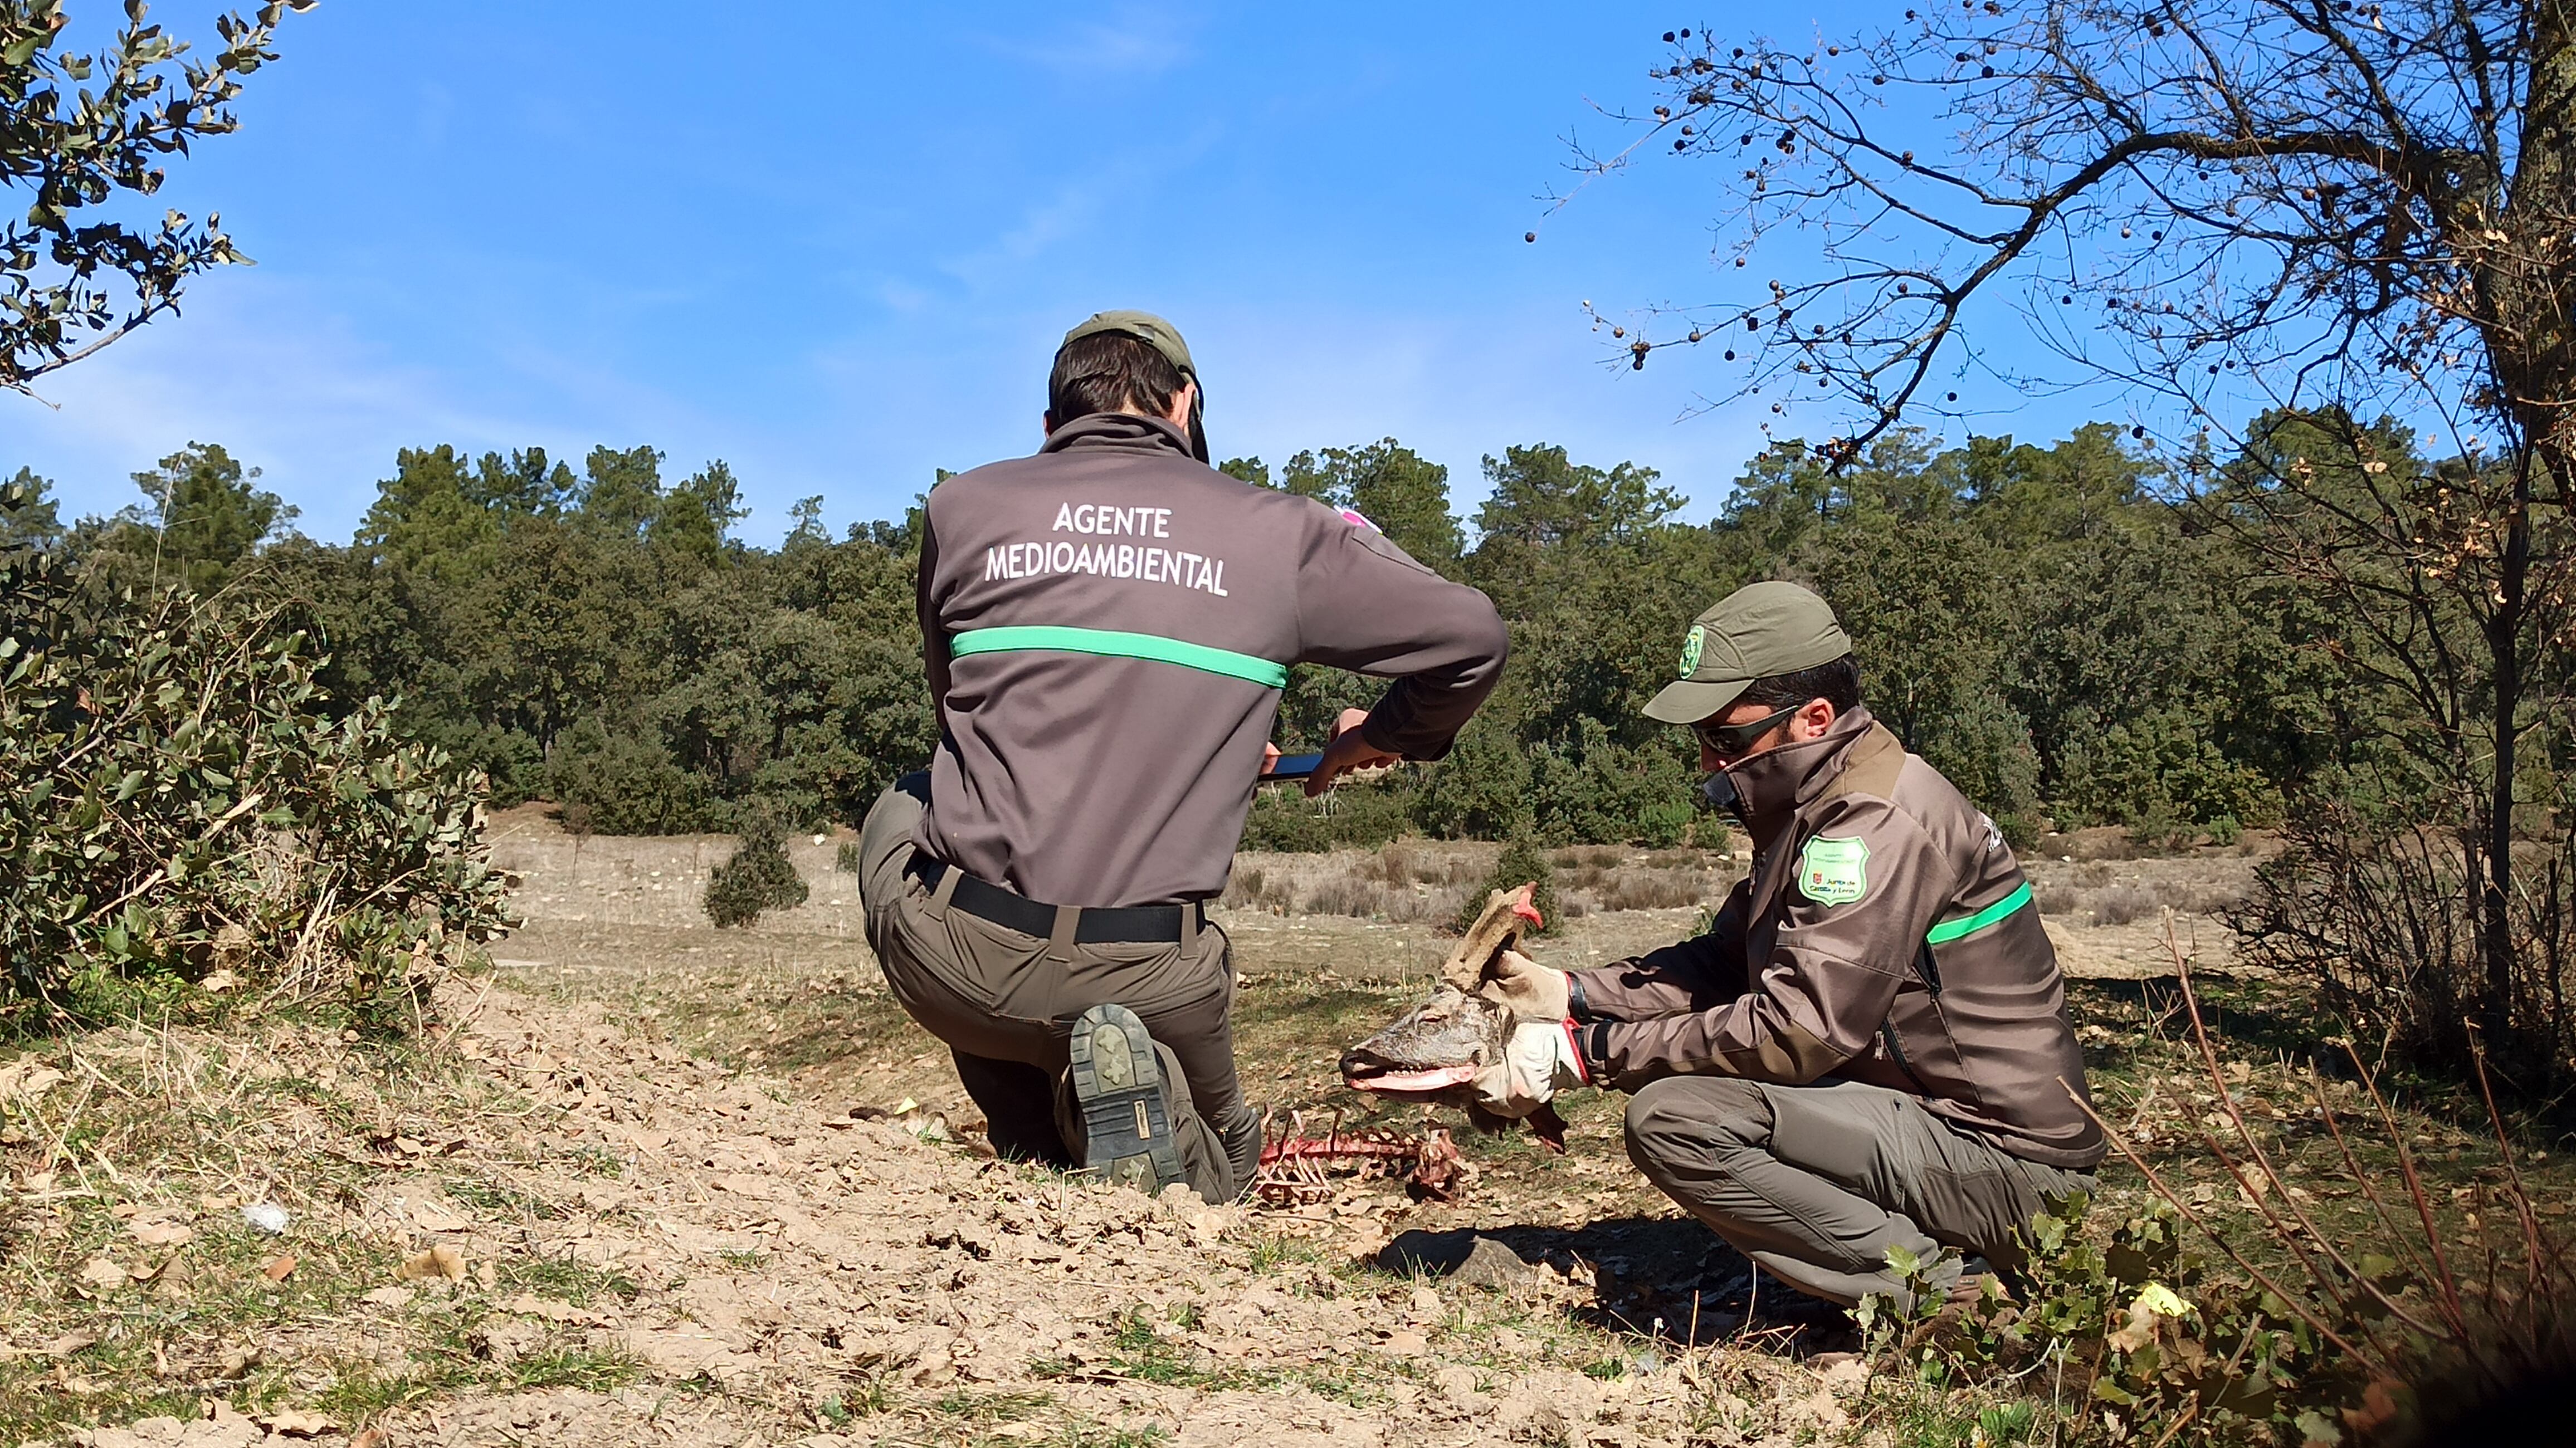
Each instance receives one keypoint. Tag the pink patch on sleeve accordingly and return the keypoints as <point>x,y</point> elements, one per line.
<point>1353,517</point>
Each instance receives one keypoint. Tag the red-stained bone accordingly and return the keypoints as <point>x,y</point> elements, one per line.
<point>1298,1168</point>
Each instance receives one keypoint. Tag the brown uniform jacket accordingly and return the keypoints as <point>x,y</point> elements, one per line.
<point>1903,951</point>
<point>1107,624</point>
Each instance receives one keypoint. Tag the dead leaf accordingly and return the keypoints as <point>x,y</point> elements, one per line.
<point>292,1423</point>
<point>218,981</point>
<point>372,1438</point>
<point>439,1261</point>
<point>531,1305</point>
<point>433,1215</point>
<point>276,1271</point>
<point>390,1297</point>
<point>103,1274</point>
<point>69,1343</point>
<point>30,1079</point>
<point>164,1234</point>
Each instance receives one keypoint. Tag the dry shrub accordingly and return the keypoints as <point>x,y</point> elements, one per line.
<point>2104,845</point>
<point>2380,916</point>
<point>1255,890</point>
<point>2093,874</point>
<point>1396,864</point>
<point>2123,904</point>
<point>2060,901</point>
<point>1650,890</point>
<point>2401,1331</point>
<point>2191,899</point>
<point>1363,897</point>
<point>1596,857</point>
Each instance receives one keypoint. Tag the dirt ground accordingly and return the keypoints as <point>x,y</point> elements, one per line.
<point>711,1187</point>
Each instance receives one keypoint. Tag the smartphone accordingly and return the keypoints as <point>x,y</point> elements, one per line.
<point>1293,766</point>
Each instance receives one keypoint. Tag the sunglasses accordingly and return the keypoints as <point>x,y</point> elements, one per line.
<point>1731,741</point>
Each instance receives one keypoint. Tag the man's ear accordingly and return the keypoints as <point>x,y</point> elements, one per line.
<point>1179,416</point>
<point>1818,717</point>
<point>1046,424</point>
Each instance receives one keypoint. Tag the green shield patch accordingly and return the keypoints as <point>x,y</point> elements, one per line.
<point>1832,871</point>
<point>1692,643</point>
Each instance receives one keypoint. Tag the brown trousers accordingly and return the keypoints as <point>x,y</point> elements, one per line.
<point>1005,1005</point>
<point>1816,1182</point>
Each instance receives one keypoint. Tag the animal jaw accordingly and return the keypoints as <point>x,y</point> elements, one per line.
<point>1433,1051</point>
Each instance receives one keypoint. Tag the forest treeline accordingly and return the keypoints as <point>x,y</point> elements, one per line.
<point>2050,625</point>
<point>2294,633</point>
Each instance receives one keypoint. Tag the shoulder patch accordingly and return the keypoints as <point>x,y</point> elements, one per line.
<point>1833,871</point>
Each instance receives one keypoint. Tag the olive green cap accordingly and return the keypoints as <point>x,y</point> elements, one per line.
<point>1156,333</point>
<point>1759,630</point>
<point>1163,337</point>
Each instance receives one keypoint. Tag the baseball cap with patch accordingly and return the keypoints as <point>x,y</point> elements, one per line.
<point>1163,337</point>
<point>1759,630</point>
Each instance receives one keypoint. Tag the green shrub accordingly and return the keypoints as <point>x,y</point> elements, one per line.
<point>1596,791</point>
<point>1482,790</point>
<point>2163,778</point>
<point>624,782</point>
<point>176,797</point>
<point>1523,862</point>
<point>1352,816</point>
<point>757,879</point>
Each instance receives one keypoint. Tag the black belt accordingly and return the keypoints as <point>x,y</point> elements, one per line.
<point>1124,924</point>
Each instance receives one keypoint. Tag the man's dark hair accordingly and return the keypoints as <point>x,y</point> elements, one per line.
<point>1110,372</point>
<point>1837,683</point>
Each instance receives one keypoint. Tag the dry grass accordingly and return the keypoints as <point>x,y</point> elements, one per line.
<point>132,1281</point>
<point>2122,904</point>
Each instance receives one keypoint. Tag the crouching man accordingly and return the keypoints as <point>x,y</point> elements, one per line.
<point>1870,1048</point>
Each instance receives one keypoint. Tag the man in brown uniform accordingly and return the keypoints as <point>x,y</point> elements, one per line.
<point>1870,1048</point>
<point>1107,625</point>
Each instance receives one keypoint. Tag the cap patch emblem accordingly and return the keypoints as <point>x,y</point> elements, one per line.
<point>1692,643</point>
<point>1832,871</point>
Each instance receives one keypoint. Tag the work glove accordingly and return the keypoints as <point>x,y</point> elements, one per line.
<point>1539,1060</point>
<point>1529,990</point>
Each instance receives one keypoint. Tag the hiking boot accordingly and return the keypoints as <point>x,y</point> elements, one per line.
<point>1118,1093</point>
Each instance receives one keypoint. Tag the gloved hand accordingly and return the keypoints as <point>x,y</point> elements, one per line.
<point>1529,990</point>
<point>1538,1061</point>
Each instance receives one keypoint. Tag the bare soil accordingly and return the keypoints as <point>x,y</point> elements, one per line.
<point>711,1187</point>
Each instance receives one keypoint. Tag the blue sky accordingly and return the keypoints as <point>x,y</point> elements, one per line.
<point>835,244</point>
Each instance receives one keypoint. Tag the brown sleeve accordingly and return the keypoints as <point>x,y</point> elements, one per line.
<point>1832,972</point>
<point>934,639</point>
<point>1697,974</point>
<point>1363,604</point>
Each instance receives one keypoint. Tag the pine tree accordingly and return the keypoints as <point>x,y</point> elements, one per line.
<point>758,878</point>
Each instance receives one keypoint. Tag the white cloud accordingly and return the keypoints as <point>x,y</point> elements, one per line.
<point>1137,40</point>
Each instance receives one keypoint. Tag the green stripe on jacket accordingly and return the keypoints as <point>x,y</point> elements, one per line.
<point>1110,643</point>
<point>1949,930</point>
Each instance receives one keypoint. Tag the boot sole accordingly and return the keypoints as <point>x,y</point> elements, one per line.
<point>1126,1114</point>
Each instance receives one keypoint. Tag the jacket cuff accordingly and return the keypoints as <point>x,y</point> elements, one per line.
<point>1592,1049</point>
<point>1574,1048</point>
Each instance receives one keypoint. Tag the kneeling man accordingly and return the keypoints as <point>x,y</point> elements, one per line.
<point>1870,1048</point>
